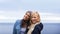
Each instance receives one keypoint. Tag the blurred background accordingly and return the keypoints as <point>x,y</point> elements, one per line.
<point>12,10</point>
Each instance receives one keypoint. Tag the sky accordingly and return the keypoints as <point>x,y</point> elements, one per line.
<point>11,10</point>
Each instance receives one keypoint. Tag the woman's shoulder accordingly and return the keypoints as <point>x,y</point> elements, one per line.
<point>39,26</point>
<point>17,22</point>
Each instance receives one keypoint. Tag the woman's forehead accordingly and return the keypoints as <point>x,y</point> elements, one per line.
<point>34,14</point>
<point>28,14</point>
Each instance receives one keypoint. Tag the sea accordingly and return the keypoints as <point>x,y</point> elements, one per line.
<point>48,28</point>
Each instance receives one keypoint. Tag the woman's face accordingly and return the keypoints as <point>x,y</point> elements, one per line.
<point>26,16</point>
<point>34,18</point>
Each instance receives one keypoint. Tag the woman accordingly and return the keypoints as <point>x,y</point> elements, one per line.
<point>21,25</point>
<point>36,25</point>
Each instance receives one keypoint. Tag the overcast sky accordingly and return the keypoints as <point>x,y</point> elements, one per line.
<point>11,10</point>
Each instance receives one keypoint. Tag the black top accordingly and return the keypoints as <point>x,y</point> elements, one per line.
<point>37,30</point>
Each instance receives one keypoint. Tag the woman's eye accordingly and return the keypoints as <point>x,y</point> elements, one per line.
<point>34,17</point>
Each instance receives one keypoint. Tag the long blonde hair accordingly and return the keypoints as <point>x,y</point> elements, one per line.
<point>32,26</point>
<point>33,13</point>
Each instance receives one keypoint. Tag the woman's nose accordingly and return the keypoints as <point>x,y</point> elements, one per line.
<point>33,18</point>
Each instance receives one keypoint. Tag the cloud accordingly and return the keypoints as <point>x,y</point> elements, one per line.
<point>11,9</point>
<point>5,1</point>
<point>8,5</point>
<point>50,18</point>
<point>12,16</point>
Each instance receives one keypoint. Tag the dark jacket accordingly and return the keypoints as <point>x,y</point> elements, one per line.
<point>38,28</point>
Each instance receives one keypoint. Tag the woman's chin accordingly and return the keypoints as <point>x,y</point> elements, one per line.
<point>34,22</point>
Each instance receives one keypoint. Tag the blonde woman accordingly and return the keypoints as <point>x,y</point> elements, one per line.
<point>36,26</point>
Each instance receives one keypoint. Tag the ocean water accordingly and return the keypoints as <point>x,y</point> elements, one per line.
<point>6,28</point>
<point>49,28</point>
